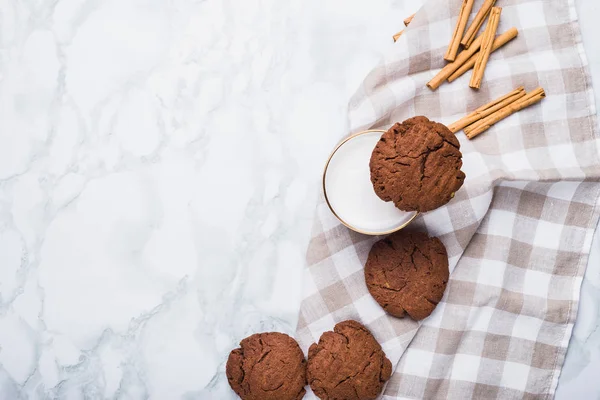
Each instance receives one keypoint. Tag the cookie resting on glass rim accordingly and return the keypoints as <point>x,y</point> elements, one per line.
<point>416,165</point>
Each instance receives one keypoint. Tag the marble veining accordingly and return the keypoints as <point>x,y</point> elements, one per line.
<point>159,165</point>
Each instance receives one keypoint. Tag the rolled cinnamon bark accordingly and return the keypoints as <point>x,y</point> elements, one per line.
<point>488,109</point>
<point>397,35</point>
<point>459,30</point>
<point>500,41</point>
<point>486,48</point>
<point>486,123</point>
<point>449,69</point>
<point>407,21</point>
<point>482,14</point>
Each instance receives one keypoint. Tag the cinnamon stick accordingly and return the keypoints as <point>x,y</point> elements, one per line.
<point>484,124</point>
<point>459,29</point>
<point>488,109</point>
<point>500,41</point>
<point>407,21</point>
<point>397,35</point>
<point>486,48</point>
<point>482,14</point>
<point>449,69</point>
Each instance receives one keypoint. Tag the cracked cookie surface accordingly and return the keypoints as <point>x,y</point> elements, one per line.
<point>407,273</point>
<point>416,164</point>
<point>347,363</point>
<point>267,366</point>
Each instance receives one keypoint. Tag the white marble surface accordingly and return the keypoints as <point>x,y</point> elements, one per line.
<point>159,166</point>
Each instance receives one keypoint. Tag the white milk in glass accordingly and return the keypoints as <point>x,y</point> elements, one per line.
<point>350,192</point>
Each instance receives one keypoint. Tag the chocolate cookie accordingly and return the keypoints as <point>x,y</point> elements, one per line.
<point>407,273</point>
<point>267,366</point>
<point>416,164</point>
<point>348,364</point>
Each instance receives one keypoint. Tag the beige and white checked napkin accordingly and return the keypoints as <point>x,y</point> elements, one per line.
<point>518,233</point>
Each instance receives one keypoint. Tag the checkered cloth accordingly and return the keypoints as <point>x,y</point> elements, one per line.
<point>518,233</point>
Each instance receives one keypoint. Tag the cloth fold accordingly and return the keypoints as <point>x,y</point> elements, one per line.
<point>518,233</point>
